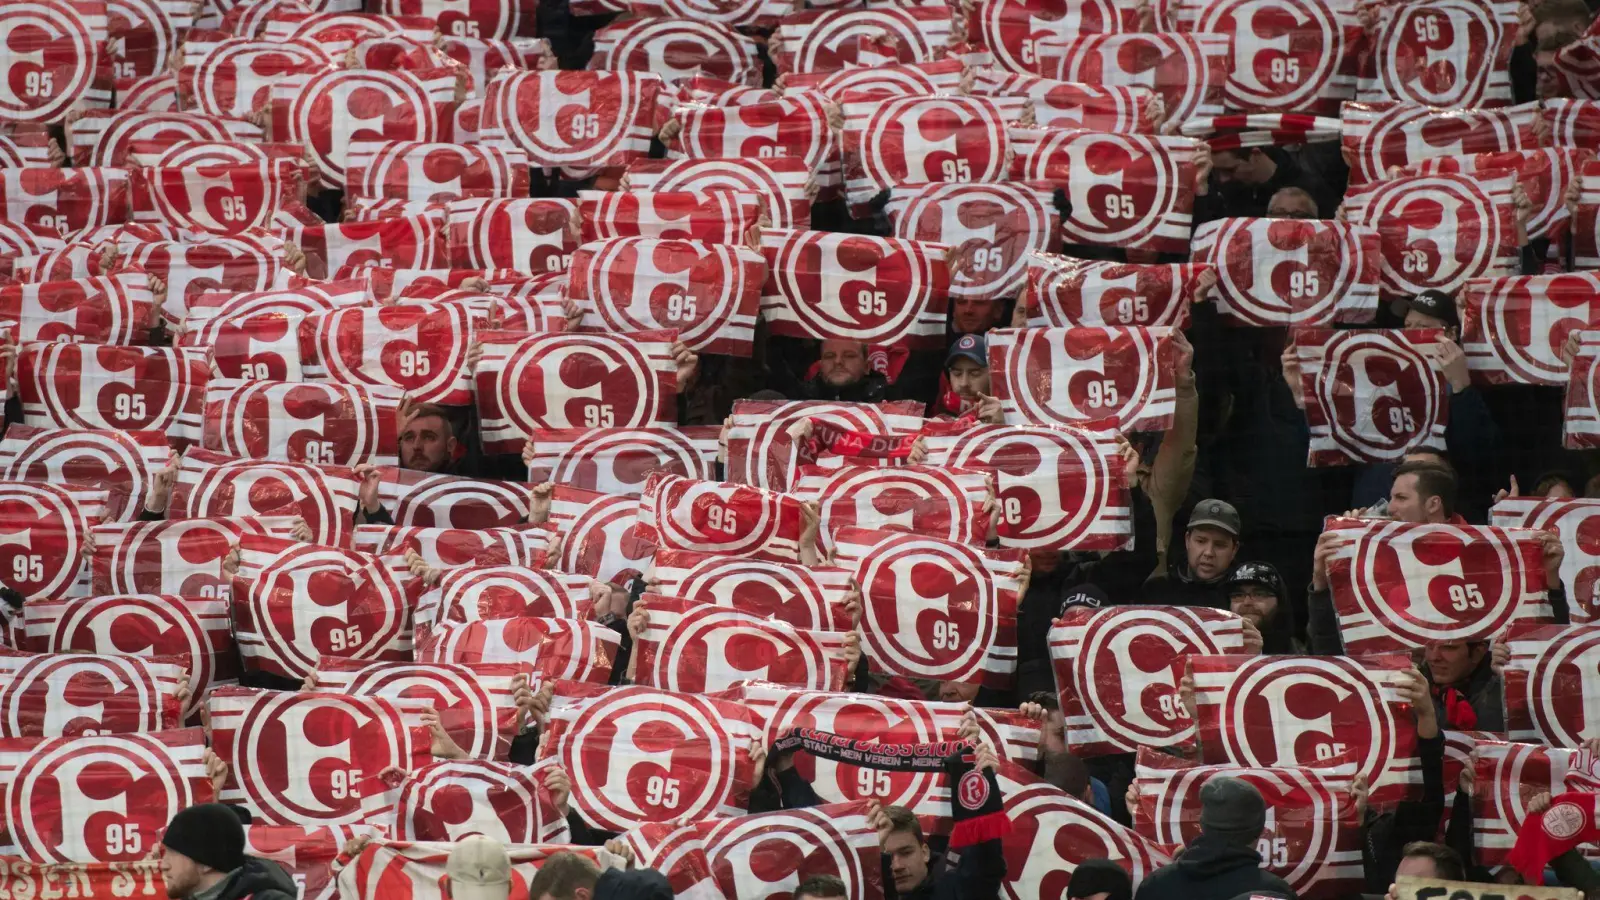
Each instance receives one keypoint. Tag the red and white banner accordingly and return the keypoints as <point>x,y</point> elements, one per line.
<point>485,18</point>
<point>324,423</point>
<point>1114,672</point>
<point>307,854</point>
<point>149,31</point>
<point>1398,586</point>
<point>406,871</point>
<point>994,229</point>
<point>176,557</point>
<point>1125,190</point>
<point>1577,523</point>
<point>476,702</point>
<point>1313,838</point>
<point>676,851</point>
<point>1371,395</point>
<point>949,503</point>
<point>1298,56</point>
<point>225,75</point>
<point>1275,272</point>
<point>442,548</point>
<point>717,216</point>
<point>761,453</point>
<point>225,199</point>
<point>577,121</point>
<point>574,649</point>
<point>618,460</point>
<point>76,73</point>
<point>701,648</point>
<point>764,855</point>
<point>307,757</point>
<point>599,534</point>
<point>294,603</point>
<point>677,48</point>
<point>1053,833</point>
<point>935,609</point>
<point>529,382</point>
<point>1514,329</point>
<point>1189,71</point>
<point>416,348</point>
<point>99,386</point>
<point>899,80</point>
<point>263,346</point>
<point>1381,136</point>
<point>1452,55</point>
<point>208,313</point>
<point>1078,376</point>
<point>853,287</point>
<point>821,40</point>
<point>72,694</point>
<point>482,57</point>
<point>710,293</point>
<point>1055,488</point>
<point>475,593</point>
<point>45,528</point>
<point>219,264</point>
<point>99,881</point>
<point>213,485</point>
<point>116,309</point>
<point>637,754</point>
<point>105,137</point>
<point>449,800</point>
<point>117,461</point>
<point>759,13</point>
<point>810,598</point>
<point>329,111</point>
<point>60,201</point>
<point>1552,681</point>
<point>923,139</point>
<point>409,170</point>
<point>677,513</point>
<point>1544,173</point>
<point>1508,776</point>
<point>1065,292</point>
<point>343,250</point>
<point>1438,231</point>
<point>1064,104</point>
<point>421,499</point>
<point>786,185</point>
<point>97,798</point>
<point>1319,712</point>
<point>529,235</point>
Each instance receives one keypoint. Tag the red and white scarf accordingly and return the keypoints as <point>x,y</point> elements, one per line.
<point>1190,72</point>
<point>1383,135</point>
<point>473,593</point>
<point>1508,776</point>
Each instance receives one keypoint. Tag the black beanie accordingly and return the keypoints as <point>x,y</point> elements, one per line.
<point>209,834</point>
<point>1095,876</point>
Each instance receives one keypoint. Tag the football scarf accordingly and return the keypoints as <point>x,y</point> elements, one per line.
<point>117,461</point>
<point>1566,824</point>
<point>1121,109</point>
<point>476,702</point>
<point>710,293</point>
<point>1544,174</point>
<point>618,460</point>
<point>638,754</point>
<point>1077,376</point>
<point>505,802</point>
<point>1454,55</point>
<point>786,185</point>
<point>1397,587</point>
<point>214,485</point>
<point>917,140</point>
<point>320,423</point>
<point>939,501</point>
<point>873,290</point>
<point>386,868</point>
<point>1549,683</point>
<point>677,513</point>
<point>810,598</point>
<point>1384,135</point>
<point>405,170</point>
<point>106,387</point>
<point>677,48</point>
<point>1125,190</point>
<point>718,217</point>
<point>762,452</point>
<point>308,757</point>
<point>442,548</point>
<point>826,40</point>
<point>1370,395</point>
<point>1053,833</point>
<point>574,649</point>
<point>700,648</point>
<point>72,694</point>
<point>1514,329</point>
<point>104,137</point>
<point>1188,71</point>
<point>319,109</point>
<point>418,349</point>
<point>78,71</point>
<point>1511,775</point>
<point>1575,521</point>
<point>901,80</point>
<point>932,608</point>
<point>425,500</point>
<point>1308,66</point>
<point>576,121</point>
<point>1114,671</point>
<point>60,201</point>
<point>1239,130</point>
<point>795,126</point>
<point>113,309</point>
<point>1343,711</point>
<point>1274,272</point>
<point>1581,425</point>
<point>993,228</point>
<point>1064,292</point>
<point>535,236</point>
<point>176,557</point>
<point>475,593</point>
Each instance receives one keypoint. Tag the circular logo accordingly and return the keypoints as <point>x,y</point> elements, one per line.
<point>644,284</point>
<point>1440,230</point>
<point>578,380</point>
<point>755,175</point>
<point>43,697</point>
<point>339,106</point>
<point>1454,587</point>
<point>780,850</point>
<point>455,691</point>
<point>1052,485</point>
<point>1107,373</point>
<point>1051,833</point>
<point>526,234</point>
<point>1530,345</point>
<point>1012,29</point>
<point>1132,183</point>
<point>448,801</point>
<point>1297,45</point>
<point>914,140</point>
<point>618,462</point>
<point>508,592</point>
<point>1276,272</point>
<point>1578,524</point>
<point>41,559</point>
<point>236,62</point>
<point>142,625</point>
<point>103,458</point>
<point>927,501</point>
<point>306,603</point>
<point>565,109</point>
<point>1123,677</point>
<point>1398,387</point>
<point>251,488</point>
<point>338,422</point>
<point>711,648</point>
<point>862,717</point>
<point>1564,662</point>
<point>830,42</point>
<point>137,389</point>
<point>677,49</point>
<point>713,517</point>
<point>993,226</point>
<point>445,501</point>
<point>973,790</point>
<point>912,587</point>
<point>783,592</point>
<point>52,57</point>
<point>1564,820</point>
<point>853,287</point>
<point>177,557</point>
<point>1439,54</point>
<point>1308,690</point>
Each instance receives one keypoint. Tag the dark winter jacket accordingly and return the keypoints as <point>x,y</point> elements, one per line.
<point>1209,869</point>
<point>1176,587</point>
<point>638,884</point>
<point>977,877</point>
<point>258,879</point>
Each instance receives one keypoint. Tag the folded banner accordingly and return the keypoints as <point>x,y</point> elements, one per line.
<point>80,76</point>
<point>1079,376</point>
<point>823,40</point>
<point>939,501</point>
<point>677,48</point>
<point>44,694</point>
<point>97,798</point>
<point>700,648</point>
<point>677,513</point>
<point>1308,64</point>
<point>476,702</point>
<point>1453,55</point>
<point>1438,231</point>
<point>307,757</point>
<point>1056,832</point>
<point>212,485</point>
<point>179,557</point>
<point>475,593</point>
<point>115,460</point>
<point>762,452</point>
<point>442,548</point>
<point>1313,834</point>
<point>795,126</point>
<point>1370,395</point>
<point>1055,488</point>
<point>1189,71</point>
<point>1511,775</point>
<point>1320,712</point>
<point>811,598</point>
<point>527,235</point>
<point>710,293</point>
<point>1122,109</point>
<point>993,229</point>
<point>1577,523</point>
<point>411,170</point>
<point>323,423</point>
<point>935,609</point>
<point>449,800</point>
<point>47,530</point>
<point>785,185</point>
<point>1398,587</point>
<point>718,217</point>
<point>115,309</point>
<point>1115,676</point>
<point>1274,272</point>
<point>1064,292</point>
<point>1514,329</point>
<point>618,460</point>
<point>1381,136</point>
<point>105,387</point>
<point>921,140</point>
<point>574,649</point>
<point>1544,174</point>
<point>594,120</point>
<point>637,754</point>
<point>417,348</point>
<point>1551,683</point>
<point>321,111</point>
<point>416,871</point>
<point>851,287</point>
<point>599,534</point>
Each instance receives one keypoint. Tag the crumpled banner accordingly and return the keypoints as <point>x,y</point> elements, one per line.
<point>1452,55</point>
<point>676,48</point>
<point>1437,231</point>
<point>1577,523</point>
<point>874,290</point>
<point>1344,710</point>
<point>1276,272</point>
<point>1081,376</point>
<point>442,548</point>
<point>1544,174</point>
<point>195,630</point>
<point>72,694</point>
<point>175,557</point>
<point>884,142</point>
<point>1011,30</point>
<point>1064,292</point>
<point>148,35</point>
<point>1125,190</point>
<point>575,649</point>
<point>935,609</point>
<point>61,64</point>
<point>1381,136</point>
<point>419,349</point>
<point>1305,61</point>
<point>700,648</point>
<point>823,40</point>
<point>675,850</point>
<point>1371,395</point>
<point>1514,329</point>
<point>786,184</point>
<point>1548,684</point>
<point>213,484</point>
<point>475,593</point>
<point>939,501</point>
<point>45,528</point>
<point>397,870</point>
<point>810,598</point>
<point>448,800</point>
<point>718,217</point>
<point>476,702</point>
<point>103,137</point>
<point>221,199</point>
<point>1188,71</point>
<point>317,109</point>
<point>993,228</point>
<point>529,235</point>
<point>60,201</point>
<point>599,534</point>
<point>1398,587</point>
<point>1314,837</point>
<point>900,80</point>
<point>602,119</point>
<point>637,754</point>
<point>677,513</point>
<point>310,422</point>
<point>1508,776</point>
<point>761,452</point>
<point>411,170</point>
<point>1577,65</point>
<point>422,499</point>
<point>794,126</point>
<point>97,798</point>
<point>23,149</point>
<point>1114,672</point>
<point>308,757</point>
<point>113,309</point>
<point>113,460</point>
<point>225,75</point>
<point>1053,833</point>
<point>1122,109</point>
<point>617,460</point>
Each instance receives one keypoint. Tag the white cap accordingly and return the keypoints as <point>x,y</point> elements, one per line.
<point>479,869</point>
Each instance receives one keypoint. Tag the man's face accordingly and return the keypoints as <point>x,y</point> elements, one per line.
<point>426,444</point>
<point>1055,732</point>
<point>1210,551</point>
<point>968,316</point>
<point>1254,602</point>
<point>1406,503</point>
<point>1417,867</point>
<point>1451,662</point>
<point>1231,167</point>
<point>1291,206</point>
<point>968,379</point>
<point>957,692</point>
<point>179,873</point>
<point>843,362</point>
<point>908,861</point>
<point>1558,490</point>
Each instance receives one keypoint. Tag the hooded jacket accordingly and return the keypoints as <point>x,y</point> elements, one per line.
<point>1211,869</point>
<point>637,884</point>
<point>259,879</point>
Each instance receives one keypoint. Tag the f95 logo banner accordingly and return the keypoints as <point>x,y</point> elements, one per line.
<point>1065,292</point>
<point>1371,396</point>
<point>1451,55</point>
<point>1514,329</point>
<point>476,702</point>
<point>1078,376</point>
<point>73,694</point>
<point>994,229</point>
<point>855,288</point>
<point>1577,523</point>
<point>1274,272</point>
<point>677,513</point>
<point>1437,231</point>
<point>99,386</point>
<point>618,460</point>
<point>1552,678</point>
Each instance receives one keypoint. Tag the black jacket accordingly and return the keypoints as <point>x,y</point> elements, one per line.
<point>259,879</point>
<point>977,877</point>
<point>1211,870</point>
<point>1176,587</point>
<point>639,884</point>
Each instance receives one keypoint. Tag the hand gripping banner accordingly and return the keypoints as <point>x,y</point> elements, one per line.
<point>330,424</point>
<point>1437,231</point>
<point>1371,395</point>
<point>1301,56</point>
<point>1078,376</point>
<point>1507,778</point>
<point>329,111</point>
<point>113,309</point>
<point>786,185</point>
<point>994,230</point>
<point>720,216</point>
<point>1118,688</point>
<point>677,48</point>
<point>949,503</point>
<point>1124,109</point>
<point>762,452</point>
<point>1381,136</point>
<point>710,293</point>
<point>701,648</point>
<point>448,800</point>
<point>477,593</point>
<point>573,649</point>
<point>1189,71</point>
<point>114,460</point>
<point>73,694</point>
<point>1275,272</point>
<point>576,121</point>
<point>855,288</point>
<point>677,513</point>
<point>618,460</point>
<point>58,201</point>
<point>1064,292</point>
<point>419,349</point>
<point>1514,329</point>
<point>809,598</point>
<point>214,485</point>
<point>824,40</point>
<point>599,535</point>
<point>409,170</point>
<point>475,701</point>
<point>1451,55</point>
<point>1551,682</point>
<point>1577,523</point>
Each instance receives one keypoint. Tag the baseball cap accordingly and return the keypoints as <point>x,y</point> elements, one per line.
<point>479,869</point>
<point>1436,304</point>
<point>1264,574</point>
<point>1216,514</point>
<point>971,346</point>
